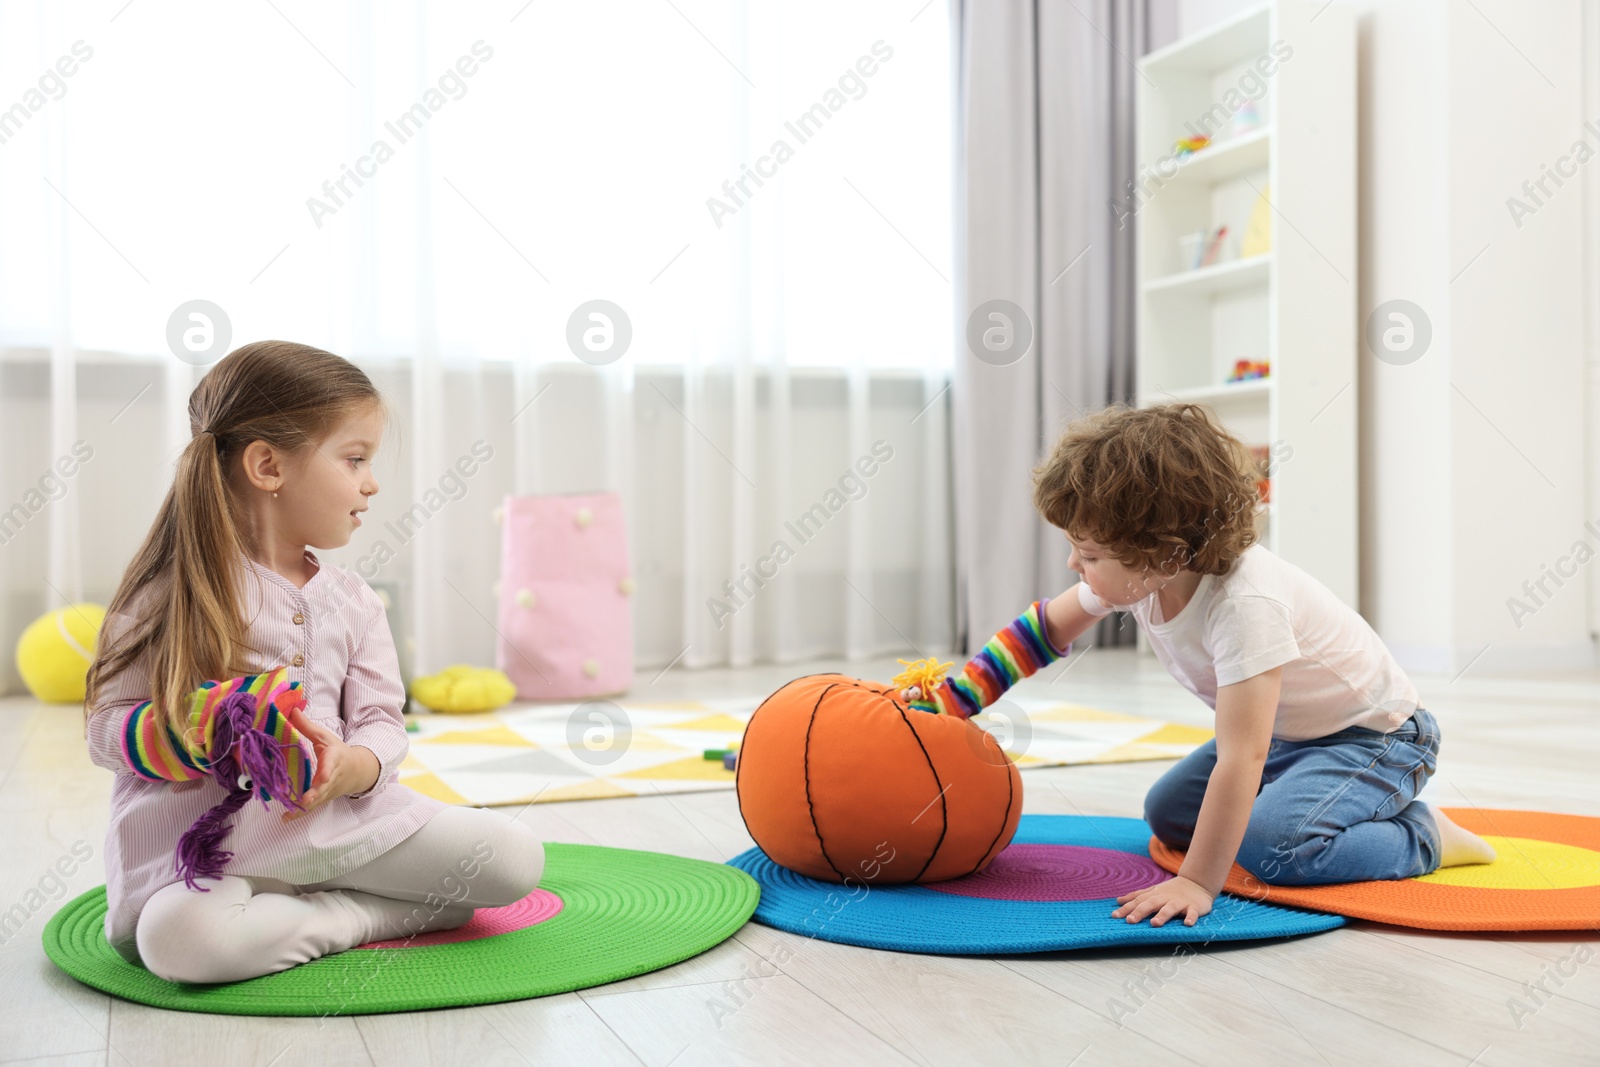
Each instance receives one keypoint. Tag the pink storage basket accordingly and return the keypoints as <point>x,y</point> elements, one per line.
<point>566,597</point>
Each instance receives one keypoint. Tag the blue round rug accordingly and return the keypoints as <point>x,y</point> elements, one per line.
<point>1054,887</point>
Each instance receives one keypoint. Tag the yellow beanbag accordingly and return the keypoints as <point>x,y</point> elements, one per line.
<point>463,688</point>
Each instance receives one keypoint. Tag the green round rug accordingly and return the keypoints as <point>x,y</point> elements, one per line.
<point>623,913</point>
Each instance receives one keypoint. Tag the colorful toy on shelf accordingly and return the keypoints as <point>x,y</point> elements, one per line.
<point>1184,147</point>
<point>1246,369</point>
<point>1247,118</point>
<point>1201,248</point>
<point>841,781</point>
<point>1262,456</point>
<point>464,689</point>
<point>54,652</point>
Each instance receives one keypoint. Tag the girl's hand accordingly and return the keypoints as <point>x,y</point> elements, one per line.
<point>341,769</point>
<point>1166,900</point>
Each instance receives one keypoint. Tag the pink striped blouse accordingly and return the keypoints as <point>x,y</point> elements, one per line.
<point>334,638</point>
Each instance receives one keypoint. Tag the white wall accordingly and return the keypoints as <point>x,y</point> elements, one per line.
<point>1480,463</point>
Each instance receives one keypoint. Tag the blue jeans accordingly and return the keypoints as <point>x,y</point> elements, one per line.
<point>1332,809</point>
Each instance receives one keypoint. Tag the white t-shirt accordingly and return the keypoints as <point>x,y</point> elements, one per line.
<point>1264,613</point>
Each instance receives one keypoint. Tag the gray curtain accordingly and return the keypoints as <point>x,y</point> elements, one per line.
<point>1044,146</point>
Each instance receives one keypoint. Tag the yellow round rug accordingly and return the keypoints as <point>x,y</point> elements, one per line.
<point>1546,876</point>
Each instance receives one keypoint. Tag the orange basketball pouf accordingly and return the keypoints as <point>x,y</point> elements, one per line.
<point>840,781</point>
<point>1546,876</point>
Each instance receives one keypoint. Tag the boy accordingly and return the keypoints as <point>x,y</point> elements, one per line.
<point>1321,744</point>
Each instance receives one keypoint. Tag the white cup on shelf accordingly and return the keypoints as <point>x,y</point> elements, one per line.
<point>1190,247</point>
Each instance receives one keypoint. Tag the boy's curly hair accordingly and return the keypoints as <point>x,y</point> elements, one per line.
<point>1163,488</point>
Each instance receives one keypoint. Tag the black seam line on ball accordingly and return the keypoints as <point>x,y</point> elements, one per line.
<point>738,766</point>
<point>738,773</point>
<point>811,808</point>
<point>944,805</point>
<point>1005,816</point>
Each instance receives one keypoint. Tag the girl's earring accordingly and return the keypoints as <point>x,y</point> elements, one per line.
<point>274,496</point>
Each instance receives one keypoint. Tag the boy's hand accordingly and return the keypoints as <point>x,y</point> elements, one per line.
<point>341,769</point>
<point>1166,900</point>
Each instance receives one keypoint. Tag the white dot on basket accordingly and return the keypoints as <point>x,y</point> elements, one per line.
<point>584,516</point>
<point>494,590</point>
<point>525,598</point>
<point>591,667</point>
<point>383,598</point>
<point>499,515</point>
<point>626,587</point>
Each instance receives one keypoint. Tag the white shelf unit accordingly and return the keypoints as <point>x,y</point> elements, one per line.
<point>1293,305</point>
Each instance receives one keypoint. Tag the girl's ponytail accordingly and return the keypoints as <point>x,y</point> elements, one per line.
<point>204,616</point>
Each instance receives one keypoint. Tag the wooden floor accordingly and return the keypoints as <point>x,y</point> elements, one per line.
<point>1364,994</point>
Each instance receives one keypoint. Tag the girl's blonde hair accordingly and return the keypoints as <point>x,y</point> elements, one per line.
<point>1163,488</point>
<point>181,581</point>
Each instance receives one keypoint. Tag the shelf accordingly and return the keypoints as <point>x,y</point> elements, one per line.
<point>1194,326</point>
<point>1251,389</point>
<point>1218,278</point>
<point>1235,40</point>
<point>1227,159</point>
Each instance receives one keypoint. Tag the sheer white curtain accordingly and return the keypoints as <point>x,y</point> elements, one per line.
<point>433,191</point>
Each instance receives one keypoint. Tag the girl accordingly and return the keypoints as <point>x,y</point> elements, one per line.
<point>225,587</point>
<point>1321,746</point>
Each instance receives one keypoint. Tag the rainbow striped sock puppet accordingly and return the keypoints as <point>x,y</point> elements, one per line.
<point>239,733</point>
<point>1016,652</point>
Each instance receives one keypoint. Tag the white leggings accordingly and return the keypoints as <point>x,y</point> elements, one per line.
<point>244,927</point>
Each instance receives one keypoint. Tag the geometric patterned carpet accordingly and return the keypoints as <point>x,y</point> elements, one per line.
<point>534,753</point>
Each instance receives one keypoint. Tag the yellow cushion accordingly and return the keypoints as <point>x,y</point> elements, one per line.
<point>464,688</point>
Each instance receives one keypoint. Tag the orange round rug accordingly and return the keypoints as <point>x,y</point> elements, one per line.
<point>1546,876</point>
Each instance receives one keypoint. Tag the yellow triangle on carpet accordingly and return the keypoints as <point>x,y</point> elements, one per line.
<point>1174,733</point>
<point>1079,713</point>
<point>465,720</point>
<point>693,768</point>
<point>1132,752</point>
<point>645,741</point>
<point>431,785</point>
<point>673,705</point>
<point>499,734</point>
<point>598,789</point>
<point>710,724</point>
<point>637,740</point>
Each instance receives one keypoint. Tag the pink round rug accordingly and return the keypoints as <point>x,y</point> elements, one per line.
<point>535,908</point>
<point>1056,872</point>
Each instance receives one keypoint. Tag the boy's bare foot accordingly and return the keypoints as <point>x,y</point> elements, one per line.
<point>1458,846</point>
